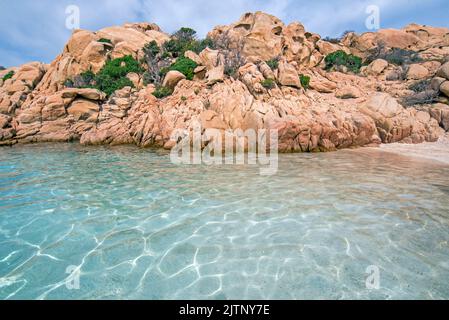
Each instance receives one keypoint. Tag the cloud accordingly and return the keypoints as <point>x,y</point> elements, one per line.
<point>35,30</point>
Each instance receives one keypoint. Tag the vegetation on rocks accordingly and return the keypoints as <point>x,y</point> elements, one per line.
<point>396,56</point>
<point>305,81</point>
<point>185,39</point>
<point>104,40</point>
<point>339,39</point>
<point>110,78</point>
<point>423,94</point>
<point>162,92</point>
<point>424,97</point>
<point>268,83</point>
<point>157,63</point>
<point>232,54</point>
<point>9,75</point>
<point>342,59</point>
<point>273,63</point>
<point>184,65</point>
<point>420,86</point>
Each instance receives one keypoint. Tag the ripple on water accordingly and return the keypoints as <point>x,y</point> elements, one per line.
<point>136,226</point>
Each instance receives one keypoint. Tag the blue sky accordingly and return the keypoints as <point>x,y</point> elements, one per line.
<point>32,30</point>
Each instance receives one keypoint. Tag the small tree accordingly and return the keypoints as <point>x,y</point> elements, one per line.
<point>232,53</point>
<point>156,61</point>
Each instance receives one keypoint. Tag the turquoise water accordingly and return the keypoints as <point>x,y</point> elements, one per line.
<point>134,226</point>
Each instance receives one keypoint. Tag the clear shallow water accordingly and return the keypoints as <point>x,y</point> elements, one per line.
<point>138,227</point>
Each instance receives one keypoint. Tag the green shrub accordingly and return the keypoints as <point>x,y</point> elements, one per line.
<point>305,81</point>
<point>183,98</point>
<point>186,66</point>
<point>120,67</point>
<point>9,75</point>
<point>273,63</point>
<point>104,40</point>
<point>152,49</point>
<point>184,40</point>
<point>268,83</point>
<point>341,58</point>
<point>162,92</point>
<point>110,78</point>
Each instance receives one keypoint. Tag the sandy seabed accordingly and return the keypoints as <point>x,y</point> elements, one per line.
<point>433,151</point>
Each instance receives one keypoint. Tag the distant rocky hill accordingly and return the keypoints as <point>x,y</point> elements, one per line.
<point>135,84</point>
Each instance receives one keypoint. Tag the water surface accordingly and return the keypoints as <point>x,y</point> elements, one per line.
<point>138,227</point>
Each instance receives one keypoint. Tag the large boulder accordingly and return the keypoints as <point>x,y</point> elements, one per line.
<point>417,72</point>
<point>209,58</point>
<point>172,78</point>
<point>83,109</point>
<point>215,75</point>
<point>288,76</point>
<point>87,93</point>
<point>376,67</point>
<point>440,112</point>
<point>393,122</point>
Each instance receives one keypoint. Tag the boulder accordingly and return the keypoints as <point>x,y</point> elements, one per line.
<point>193,56</point>
<point>348,92</point>
<point>209,58</point>
<point>83,109</point>
<point>443,72</point>
<point>417,72</point>
<point>322,85</point>
<point>440,112</point>
<point>393,122</point>
<point>90,94</point>
<point>376,67</point>
<point>444,88</point>
<point>135,79</point>
<point>215,75</point>
<point>288,76</point>
<point>436,82</point>
<point>172,78</point>
<point>200,73</point>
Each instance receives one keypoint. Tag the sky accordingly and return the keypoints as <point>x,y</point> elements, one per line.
<point>32,30</point>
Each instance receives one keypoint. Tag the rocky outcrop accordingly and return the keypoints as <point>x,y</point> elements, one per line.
<point>335,110</point>
<point>264,37</point>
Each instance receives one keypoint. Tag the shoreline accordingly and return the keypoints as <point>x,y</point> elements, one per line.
<point>429,151</point>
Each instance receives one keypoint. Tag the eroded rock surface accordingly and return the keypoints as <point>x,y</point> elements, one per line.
<point>337,110</point>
